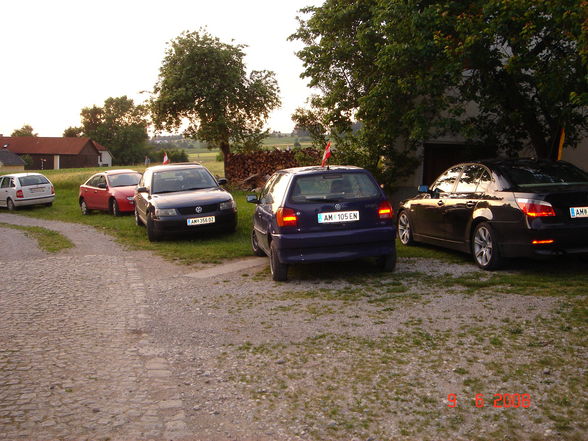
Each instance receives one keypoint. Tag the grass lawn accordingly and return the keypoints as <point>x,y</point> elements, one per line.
<point>209,248</point>
<point>48,240</point>
<point>187,249</point>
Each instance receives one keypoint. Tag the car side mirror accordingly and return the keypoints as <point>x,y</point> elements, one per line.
<point>222,181</point>
<point>142,190</point>
<point>252,199</point>
<point>102,185</point>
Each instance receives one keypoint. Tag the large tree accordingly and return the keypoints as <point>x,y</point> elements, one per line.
<point>503,73</point>
<point>119,125</point>
<point>25,130</point>
<point>204,88</point>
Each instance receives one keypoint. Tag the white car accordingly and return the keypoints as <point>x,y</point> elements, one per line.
<point>19,189</point>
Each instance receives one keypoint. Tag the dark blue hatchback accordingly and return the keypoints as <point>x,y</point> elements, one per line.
<point>317,214</point>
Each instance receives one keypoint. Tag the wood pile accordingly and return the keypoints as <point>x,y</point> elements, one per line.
<point>252,170</point>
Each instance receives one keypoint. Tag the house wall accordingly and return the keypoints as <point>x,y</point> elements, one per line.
<point>41,162</point>
<point>4,169</point>
<point>577,156</point>
<point>88,157</point>
<point>105,159</point>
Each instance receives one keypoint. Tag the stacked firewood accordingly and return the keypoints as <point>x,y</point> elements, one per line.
<point>251,170</point>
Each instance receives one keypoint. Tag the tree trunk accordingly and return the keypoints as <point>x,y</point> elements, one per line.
<point>514,100</point>
<point>226,149</point>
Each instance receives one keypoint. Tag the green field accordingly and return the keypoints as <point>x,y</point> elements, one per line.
<point>190,249</point>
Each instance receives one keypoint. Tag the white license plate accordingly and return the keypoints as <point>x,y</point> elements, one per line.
<point>201,220</point>
<point>579,211</point>
<point>37,190</point>
<point>338,216</point>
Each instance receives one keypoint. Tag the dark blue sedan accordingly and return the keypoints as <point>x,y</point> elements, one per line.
<point>317,214</point>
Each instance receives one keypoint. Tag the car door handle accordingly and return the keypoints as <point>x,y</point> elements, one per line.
<point>440,203</point>
<point>470,204</point>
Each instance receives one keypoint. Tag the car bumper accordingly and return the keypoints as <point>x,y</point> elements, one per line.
<point>335,246</point>
<point>125,206</point>
<point>551,240</point>
<point>34,201</point>
<point>179,224</point>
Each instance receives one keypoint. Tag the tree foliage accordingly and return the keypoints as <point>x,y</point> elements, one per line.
<point>73,132</point>
<point>203,86</point>
<point>25,130</point>
<point>503,73</point>
<point>119,125</point>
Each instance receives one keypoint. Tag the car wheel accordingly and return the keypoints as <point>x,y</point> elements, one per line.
<point>279,270</point>
<point>387,263</point>
<point>485,248</point>
<point>404,229</point>
<point>114,208</point>
<point>152,233</point>
<point>10,205</point>
<point>84,208</point>
<point>138,220</point>
<point>48,204</point>
<point>255,246</point>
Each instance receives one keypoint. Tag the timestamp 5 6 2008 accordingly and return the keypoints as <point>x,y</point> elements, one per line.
<point>498,400</point>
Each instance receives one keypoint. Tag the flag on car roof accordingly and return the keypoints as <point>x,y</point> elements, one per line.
<point>165,159</point>
<point>327,154</point>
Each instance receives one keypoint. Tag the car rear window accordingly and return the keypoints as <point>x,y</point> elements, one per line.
<point>333,187</point>
<point>124,180</point>
<point>544,174</point>
<point>27,181</point>
<point>181,180</point>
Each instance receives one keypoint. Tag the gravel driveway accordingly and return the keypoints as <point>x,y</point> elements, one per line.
<point>102,342</point>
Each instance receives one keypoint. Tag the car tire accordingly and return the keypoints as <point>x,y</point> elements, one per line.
<point>485,247</point>
<point>138,220</point>
<point>114,208</point>
<point>48,204</point>
<point>152,233</point>
<point>404,229</point>
<point>387,263</point>
<point>278,269</point>
<point>84,208</point>
<point>255,245</point>
<point>10,205</point>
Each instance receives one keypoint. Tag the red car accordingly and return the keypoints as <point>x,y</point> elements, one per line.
<point>111,191</point>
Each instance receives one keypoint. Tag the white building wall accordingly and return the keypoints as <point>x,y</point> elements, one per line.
<point>105,159</point>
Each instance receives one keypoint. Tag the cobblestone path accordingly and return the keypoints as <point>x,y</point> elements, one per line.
<point>75,362</point>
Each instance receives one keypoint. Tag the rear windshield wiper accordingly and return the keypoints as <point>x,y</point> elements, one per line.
<point>321,199</point>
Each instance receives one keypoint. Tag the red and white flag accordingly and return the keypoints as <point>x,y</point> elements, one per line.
<point>327,154</point>
<point>165,159</point>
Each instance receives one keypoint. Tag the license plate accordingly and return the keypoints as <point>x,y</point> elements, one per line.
<point>578,212</point>
<point>201,220</point>
<point>338,216</point>
<point>37,190</point>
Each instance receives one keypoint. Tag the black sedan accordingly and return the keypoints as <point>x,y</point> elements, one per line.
<point>501,208</point>
<point>183,198</point>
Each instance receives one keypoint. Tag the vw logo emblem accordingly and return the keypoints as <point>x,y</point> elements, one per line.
<point>198,209</point>
<point>337,206</point>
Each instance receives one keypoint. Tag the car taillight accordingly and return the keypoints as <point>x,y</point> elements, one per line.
<point>286,217</point>
<point>535,208</point>
<point>543,242</point>
<point>385,210</point>
<point>19,194</point>
<point>52,190</point>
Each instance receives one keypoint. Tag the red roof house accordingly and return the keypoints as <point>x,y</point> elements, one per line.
<point>55,153</point>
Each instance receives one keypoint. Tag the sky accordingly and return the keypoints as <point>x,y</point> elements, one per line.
<point>59,56</point>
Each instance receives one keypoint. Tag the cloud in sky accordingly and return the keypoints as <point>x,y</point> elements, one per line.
<point>60,56</point>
